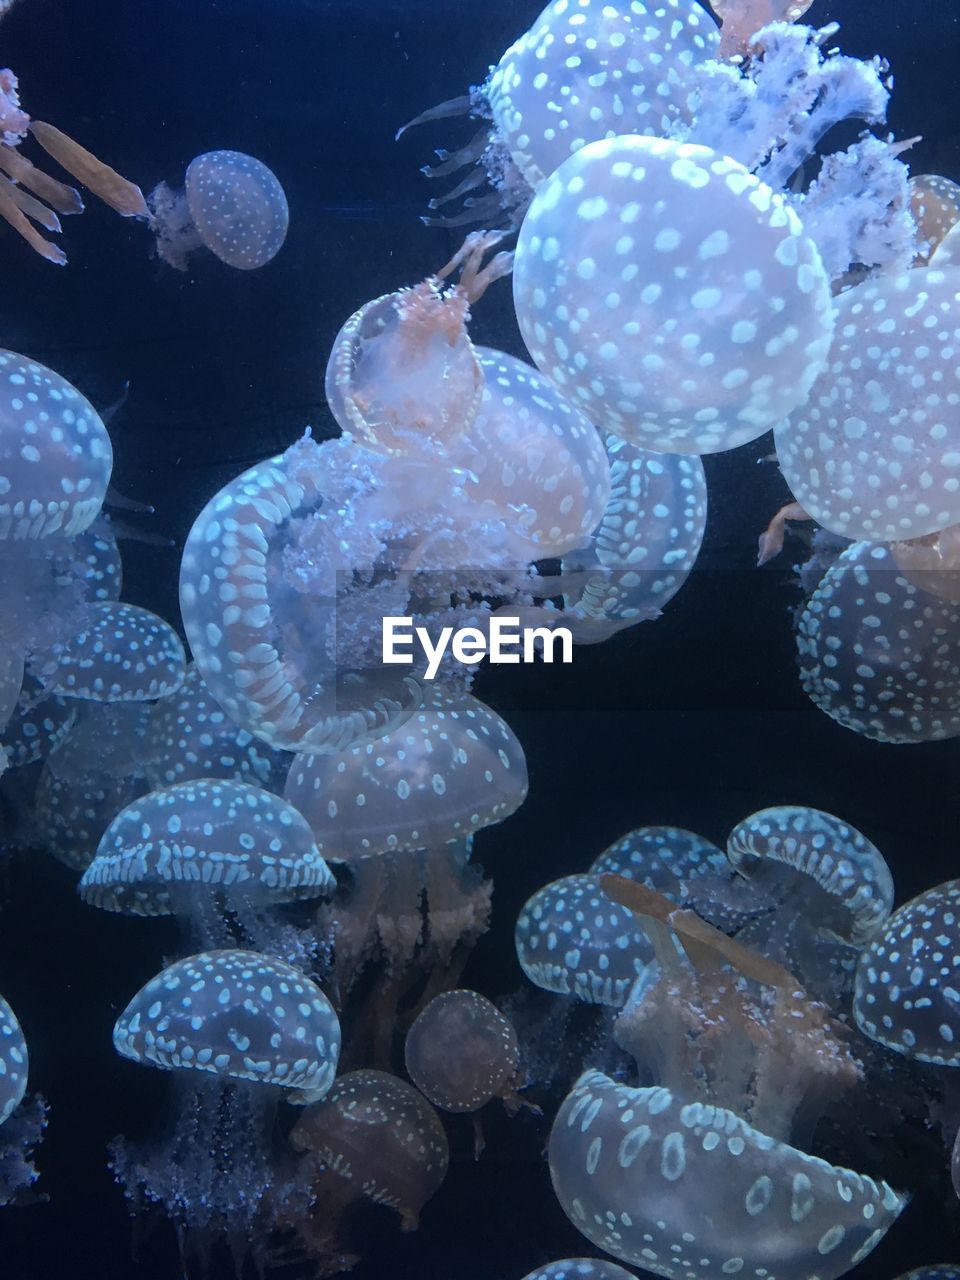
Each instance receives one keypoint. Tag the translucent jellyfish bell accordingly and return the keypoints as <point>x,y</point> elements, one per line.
<point>379,1136</point>
<point>580,1269</point>
<point>591,71</point>
<point>168,849</point>
<point>826,854</point>
<point>55,454</point>
<point>908,978</point>
<point>461,1051</point>
<point>237,1015</point>
<point>878,654</point>
<point>671,295</point>
<point>454,767</point>
<point>532,458</point>
<point>124,653</point>
<point>875,451</point>
<point>232,204</point>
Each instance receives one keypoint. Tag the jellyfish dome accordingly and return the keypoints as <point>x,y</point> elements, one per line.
<point>877,653</point>
<point>123,653</point>
<point>875,452</point>
<point>580,1269</point>
<point>55,454</point>
<point>671,295</point>
<point>685,1189</point>
<point>461,1051</point>
<point>14,1062</point>
<point>232,204</point>
<point>234,1014</point>
<point>908,980</point>
<point>592,70</point>
<point>22,1121</point>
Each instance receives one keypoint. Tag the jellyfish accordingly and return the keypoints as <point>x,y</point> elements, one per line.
<point>22,1119</point>
<point>210,852</point>
<point>935,203</point>
<point>123,653</point>
<point>931,563</point>
<point>189,736</point>
<point>740,19</point>
<point>693,1171</point>
<point>578,75</point>
<point>234,1028</point>
<point>55,454</point>
<point>401,813</point>
<point>580,1269</point>
<point>906,994</point>
<point>873,454</point>
<point>671,357</point>
<point>879,654</point>
<point>372,1137</point>
<point>231,204</point>
<point>19,178</point>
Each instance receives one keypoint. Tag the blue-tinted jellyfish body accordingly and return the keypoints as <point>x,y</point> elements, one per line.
<point>580,1269</point>
<point>907,993</point>
<point>662,858</point>
<point>55,454</point>
<point>207,851</point>
<point>235,1028</point>
<point>877,653</point>
<point>14,1062</point>
<point>123,653</point>
<point>572,940</point>
<point>698,346</point>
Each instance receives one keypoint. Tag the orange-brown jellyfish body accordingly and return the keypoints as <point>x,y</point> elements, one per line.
<point>935,204</point>
<point>740,19</point>
<point>461,1052</point>
<point>932,563</point>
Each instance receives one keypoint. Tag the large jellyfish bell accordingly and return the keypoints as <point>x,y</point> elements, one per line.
<point>673,296</point>
<point>231,204</point>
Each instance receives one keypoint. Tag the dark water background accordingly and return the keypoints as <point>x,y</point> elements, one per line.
<point>696,720</point>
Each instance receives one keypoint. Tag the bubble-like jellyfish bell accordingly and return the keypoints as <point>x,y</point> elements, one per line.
<point>231,204</point>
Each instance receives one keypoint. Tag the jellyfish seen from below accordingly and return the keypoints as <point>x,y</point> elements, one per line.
<point>877,653</point>
<point>235,1028</point>
<point>231,204</point>
<point>220,856</point>
<point>906,994</point>
<point>698,346</point>
<point>22,1119</point>
<point>373,1137</point>
<point>693,1173</point>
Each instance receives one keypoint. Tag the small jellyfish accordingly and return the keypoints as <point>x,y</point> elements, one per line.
<point>907,979</point>
<point>935,203</point>
<point>14,1062</point>
<point>878,654</point>
<point>234,1028</point>
<point>231,204</point>
<point>55,454</point>
<point>461,1052</point>
<point>403,375</point>
<point>375,1138</point>
<point>208,851</point>
<point>124,653</point>
<point>875,451</point>
<point>698,346</point>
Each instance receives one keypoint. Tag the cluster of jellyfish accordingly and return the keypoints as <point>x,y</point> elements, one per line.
<point>310,815</point>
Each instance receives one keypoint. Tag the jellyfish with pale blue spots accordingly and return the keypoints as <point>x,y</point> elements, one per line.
<point>234,1029</point>
<point>22,1119</point>
<point>693,1172</point>
<point>580,1269</point>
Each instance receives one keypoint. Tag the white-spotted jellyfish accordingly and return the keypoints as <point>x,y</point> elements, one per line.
<point>461,1052</point>
<point>374,1138</point>
<point>671,295</point>
<point>231,204</point>
<point>693,1173</point>
<point>208,852</point>
<point>123,653</point>
<point>22,1119</point>
<point>875,451</point>
<point>234,1029</point>
<point>580,1269</point>
<point>55,454</point>
<point>879,654</point>
<point>14,1062</point>
<point>907,985</point>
